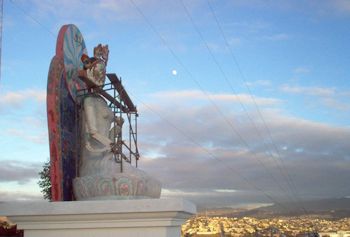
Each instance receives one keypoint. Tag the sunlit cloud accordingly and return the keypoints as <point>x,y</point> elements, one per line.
<point>199,95</point>
<point>234,41</point>
<point>314,91</point>
<point>225,190</point>
<point>342,6</point>
<point>101,10</point>
<point>336,104</point>
<point>196,192</point>
<point>10,196</point>
<point>16,98</point>
<point>38,136</point>
<point>331,98</point>
<point>263,83</point>
<point>251,26</point>
<point>18,171</point>
<point>301,70</point>
<point>277,37</point>
<point>208,155</point>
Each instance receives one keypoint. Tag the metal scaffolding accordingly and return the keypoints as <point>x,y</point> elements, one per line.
<point>124,145</point>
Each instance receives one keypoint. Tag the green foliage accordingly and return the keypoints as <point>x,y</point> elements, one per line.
<point>45,181</point>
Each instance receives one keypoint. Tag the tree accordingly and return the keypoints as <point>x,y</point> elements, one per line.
<point>45,181</point>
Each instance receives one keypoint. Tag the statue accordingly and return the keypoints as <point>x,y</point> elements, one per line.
<point>62,111</point>
<point>95,152</point>
<point>95,67</point>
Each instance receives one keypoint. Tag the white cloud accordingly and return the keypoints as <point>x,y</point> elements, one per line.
<point>17,171</point>
<point>187,169</point>
<point>314,91</point>
<point>234,41</point>
<point>18,98</point>
<point>315,154</point>
<point>336,104</point>
<point>38,137</point>
<point>179,192</point>
<point>322,7</point>
<point>225,190</point>
<point>301,70</point>
<point>277,37</point>
<point>196,192</point>
<point>331,98</point>
<point>199,95</point>
<point>10,196</point>
<point>342,6</point>
<point>102,11</point>
<point>251,26</point>
<point>264,83</point>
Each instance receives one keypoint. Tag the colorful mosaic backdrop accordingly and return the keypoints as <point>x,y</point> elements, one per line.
<point>63,83</point>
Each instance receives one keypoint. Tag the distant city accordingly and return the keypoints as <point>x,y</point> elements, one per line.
<point>320,218</point>
<point>277,227</point>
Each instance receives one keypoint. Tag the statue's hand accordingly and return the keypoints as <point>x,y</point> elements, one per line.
<point>97,150</point>
<point>115,148</point>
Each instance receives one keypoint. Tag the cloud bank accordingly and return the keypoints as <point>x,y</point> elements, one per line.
<point>197,149</point>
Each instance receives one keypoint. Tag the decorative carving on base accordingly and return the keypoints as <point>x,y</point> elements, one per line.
<point>119,186</point>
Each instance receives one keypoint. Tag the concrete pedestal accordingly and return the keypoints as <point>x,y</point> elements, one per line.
<point>107,218</point>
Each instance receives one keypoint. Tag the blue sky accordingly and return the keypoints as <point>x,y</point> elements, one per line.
<point>260,93</point>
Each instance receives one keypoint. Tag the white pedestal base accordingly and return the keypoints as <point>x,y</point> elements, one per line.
<point>107,218</point>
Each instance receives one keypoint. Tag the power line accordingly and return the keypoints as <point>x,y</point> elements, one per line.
<point>179,61</point>
<point>194,79</point>
<point>287,176</point>
<point>200,87</point>
<point>213,156</point>
<point>234,59</point>
<point>231,86</point>
<point>33,19</point>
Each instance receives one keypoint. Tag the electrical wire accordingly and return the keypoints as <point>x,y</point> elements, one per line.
<point>181,64</point>
<point>192,77</point>
<point>212,155</point>
<point>202,90</point>
<point>216,62</point>
<point>281,163</point>
<point>33,19</point>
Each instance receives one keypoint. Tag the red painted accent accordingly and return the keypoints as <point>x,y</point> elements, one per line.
<point>53,103</point>
<point>60,39</point>
<point>53,114</point>
<point>57,73</point>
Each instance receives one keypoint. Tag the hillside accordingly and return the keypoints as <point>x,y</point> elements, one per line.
<point>325,208</point>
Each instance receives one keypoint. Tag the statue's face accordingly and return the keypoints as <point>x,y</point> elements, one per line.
<point>101,52</point>
<point>87,63</point>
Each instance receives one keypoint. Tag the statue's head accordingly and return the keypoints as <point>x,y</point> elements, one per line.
<point>101,52</point>
<point>87,62</point>
<point>96,67</point>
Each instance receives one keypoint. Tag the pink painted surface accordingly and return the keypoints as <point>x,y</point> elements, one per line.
<point>53,118</point>
<point>63,83</point>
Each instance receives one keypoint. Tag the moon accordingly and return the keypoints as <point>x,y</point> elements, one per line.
<point>174,72</point>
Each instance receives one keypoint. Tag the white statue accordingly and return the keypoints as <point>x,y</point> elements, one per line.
<point>96,136</point>
<point>100,176</point>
